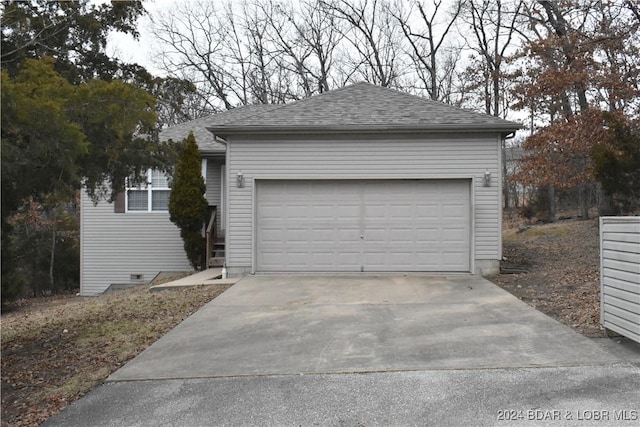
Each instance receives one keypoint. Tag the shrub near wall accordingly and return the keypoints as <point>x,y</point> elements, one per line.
<point>187,202</point>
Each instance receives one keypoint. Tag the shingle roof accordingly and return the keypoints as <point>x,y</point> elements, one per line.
<point>204,138</point>
<point>363,106</point>
<point>359,107</point>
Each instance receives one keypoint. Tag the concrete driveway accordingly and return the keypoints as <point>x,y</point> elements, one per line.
<point>367,350</point>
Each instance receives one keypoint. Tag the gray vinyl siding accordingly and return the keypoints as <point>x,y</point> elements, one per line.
<point>370,157</point>
<point>115,245</point>
<point>620,275</point>
<point>213,181</point>
<point>214,190</point>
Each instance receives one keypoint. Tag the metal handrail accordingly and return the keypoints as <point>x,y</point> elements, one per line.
<point>211,234</point>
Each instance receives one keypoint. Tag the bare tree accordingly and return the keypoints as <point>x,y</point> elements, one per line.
<point>374,52</point>
<point>320,32</point>
<point>306,39</point>
<point>191,38</point>
<point>290,53</point>
<point>617,68</point>
<point>493,26</point>
<point>266,81</point>
<point>263,51</point>
<point>633,7</point>
<point>247,53</point>
<point>450,85</point>
<point>426,42</point>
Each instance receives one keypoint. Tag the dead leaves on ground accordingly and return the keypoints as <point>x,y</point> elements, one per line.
<point>55,352</point>
<point>563,264</point>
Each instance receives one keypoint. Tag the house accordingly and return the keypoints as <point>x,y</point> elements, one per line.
<point>362,179</point>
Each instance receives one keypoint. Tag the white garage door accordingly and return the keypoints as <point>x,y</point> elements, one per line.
<point>370,226</point>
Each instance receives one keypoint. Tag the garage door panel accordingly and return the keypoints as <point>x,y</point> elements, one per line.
<point>384,262</point>
<point>297,235</point>
<point>454,235</point>
<point>271,258</point>
<point>345,212</point>
<point>379,213</point>
<point>454,210</point>
<point>327,261</point>
<point>430,257</point>
<point>298,259</point>
<point>272,211</point>
<point>396,236</point>
<point>451,260</point>
<point>321,235</point>
<point>425,234</point>
<point>296,212</point>
<point>324,260</point>
<point>271,235</point>
<point>347,235</point>
<point>406,225</point>
<point>427,212</point>
<point>325,211</point>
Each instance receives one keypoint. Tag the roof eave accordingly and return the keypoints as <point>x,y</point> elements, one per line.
<point>503,129</point>
<point>212,151</point>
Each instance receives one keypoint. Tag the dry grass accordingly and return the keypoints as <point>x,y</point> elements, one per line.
<point>57,349</point>
<point>563,271</point>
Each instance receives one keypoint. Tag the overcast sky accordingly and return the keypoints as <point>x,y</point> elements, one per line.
<point>129,50</point>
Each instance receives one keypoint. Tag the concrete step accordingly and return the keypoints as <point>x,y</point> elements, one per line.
<point>216,262</point>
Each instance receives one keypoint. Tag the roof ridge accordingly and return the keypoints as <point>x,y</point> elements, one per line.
<point>394,91</point>
<point>257,113</point>
<point>426,99</point>
<point>300,101</point>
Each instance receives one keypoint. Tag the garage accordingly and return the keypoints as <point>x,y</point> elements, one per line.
<point>363,179</point>
<point>379,225</point>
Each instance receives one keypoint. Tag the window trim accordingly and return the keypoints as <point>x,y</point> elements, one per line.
<point>149,189</point>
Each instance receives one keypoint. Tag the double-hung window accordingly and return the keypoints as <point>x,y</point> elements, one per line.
<point>151,195</point>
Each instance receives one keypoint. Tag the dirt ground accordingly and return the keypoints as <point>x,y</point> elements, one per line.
<point>55,349</point>
<point>556,269</point>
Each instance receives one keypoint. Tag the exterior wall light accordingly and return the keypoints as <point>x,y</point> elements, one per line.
<point>487,178</point>
<point>240,180</point>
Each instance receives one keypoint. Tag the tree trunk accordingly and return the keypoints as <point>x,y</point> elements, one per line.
<point>583,200</point>
<point>552,203</point>
<point>52,259</point>
<point>605,205</point>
